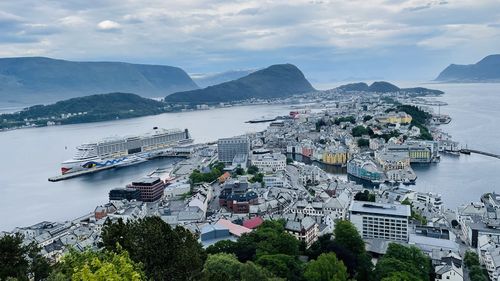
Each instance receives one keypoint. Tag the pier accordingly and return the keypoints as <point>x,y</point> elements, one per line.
<point>77,174</point>
<point>469,151</point>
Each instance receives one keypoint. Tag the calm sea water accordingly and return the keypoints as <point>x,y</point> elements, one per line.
<point>30,156</point>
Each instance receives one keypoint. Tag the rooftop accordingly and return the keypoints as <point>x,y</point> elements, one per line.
<point>380,208</point>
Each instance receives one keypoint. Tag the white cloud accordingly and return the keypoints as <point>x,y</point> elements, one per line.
<point>108,25</point>
<point>212,35</point>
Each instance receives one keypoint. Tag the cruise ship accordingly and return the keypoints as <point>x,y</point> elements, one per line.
<point>117,152</point>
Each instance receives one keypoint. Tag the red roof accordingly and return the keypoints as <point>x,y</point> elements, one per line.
<point>253,222</point>
<point>234,229</point>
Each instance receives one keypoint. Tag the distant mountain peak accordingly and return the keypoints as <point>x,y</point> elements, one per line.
<point>275,81</point>
<point>43,80</point>
<point>486,70</point>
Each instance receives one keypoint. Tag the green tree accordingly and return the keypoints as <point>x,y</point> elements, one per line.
<point>399,258</point>
<point>167,254</point>
<point>102,265</point>
<point>367,118</point>
<point>221,267</point>
<point>223,246</point>
<point>476,273</point>
<point>240,171</point>
<point>21,262</point>
<point>400,276</point>
<point>327,267</point>
<point>226,267</point>
<point>281,265</point>
<point>348,236</point>
<point>358,131</point>
<point>363,143</point>
<point>364,196</point>
<point>253,170</point>
<point>471,259</point>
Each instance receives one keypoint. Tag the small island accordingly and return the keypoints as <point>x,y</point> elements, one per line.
<point>102,107</point>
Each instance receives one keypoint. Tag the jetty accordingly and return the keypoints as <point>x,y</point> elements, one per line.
<point>469,151</point>
<point>78,173</point>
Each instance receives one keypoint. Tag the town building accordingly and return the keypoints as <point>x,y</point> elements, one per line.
<point>151,188</point>
<point>237,196</point>
<point>305,229</point>
<point>272,162</point>
<point>228,148</point>
<point>380,220</point>
<point>335,156</point>
<point>450,268</point>
<point>124,193</point>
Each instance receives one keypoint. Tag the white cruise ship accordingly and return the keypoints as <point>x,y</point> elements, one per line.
<point>125,151</point>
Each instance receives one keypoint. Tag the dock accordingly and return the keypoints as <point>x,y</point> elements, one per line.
<point>79,173</point>
<point>469,151</point>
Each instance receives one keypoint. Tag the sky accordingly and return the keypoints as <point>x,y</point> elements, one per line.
<point>329,40</point>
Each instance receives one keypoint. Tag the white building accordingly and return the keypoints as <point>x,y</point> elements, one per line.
<point>305,229</point>
<point>269,162</point>
<point>380,220</point>
<point>450,268</point>
<point>274,181</point>
<point>489,255</point>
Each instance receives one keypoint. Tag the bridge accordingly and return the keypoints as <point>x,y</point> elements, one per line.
<point>469,151</point>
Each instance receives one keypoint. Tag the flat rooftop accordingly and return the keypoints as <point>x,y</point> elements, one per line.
<point>380,208</point>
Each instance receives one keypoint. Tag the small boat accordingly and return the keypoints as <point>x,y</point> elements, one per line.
<point>262,120</point>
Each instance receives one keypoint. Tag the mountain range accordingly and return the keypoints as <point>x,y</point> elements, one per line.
<point>210,79</point>
<point>486,70</point>
<point>43,80</point>
<point>276,81</point>
<point>386,87</point>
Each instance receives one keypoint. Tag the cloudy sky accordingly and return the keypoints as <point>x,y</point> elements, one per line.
<point>329,40</point>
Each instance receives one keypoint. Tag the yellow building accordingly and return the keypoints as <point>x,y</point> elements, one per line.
<point>393,118</point>
<point>335,156</point>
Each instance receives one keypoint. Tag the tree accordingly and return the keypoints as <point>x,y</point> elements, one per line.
<point>223,246</point>
<point>22,262</point>
<point>253,170</point>
<point>326,267</point>
<point>476,273</point>
<point>281,265</point>
<point>167,254</point>
<point>471,259</point>
<point>399,258</point>
<point>347,235</point>
<point>325,244</point>
<point>221,267</point>
<point>240,171</point>
<point>289,161</point>
<point>102,265</point>
<point>364,196</point>
<point>363,143</point>
<point>400,276</point>
<point>358,131</point>
<point>367,118</point>
<point>226,267</point>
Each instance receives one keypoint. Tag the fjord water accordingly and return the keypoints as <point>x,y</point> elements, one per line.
<point>30,156</point>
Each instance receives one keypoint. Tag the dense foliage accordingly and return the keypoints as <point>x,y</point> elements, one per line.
<point>407,260</point>
<point>20,261</point>
<point>350,119</point>
<point>216,170</point>
<point>166,253</point>
<point>364,196</point>
<point>101,265</point>
<point>327,267</point>
<point>471,261</point>
<point>358,131</point>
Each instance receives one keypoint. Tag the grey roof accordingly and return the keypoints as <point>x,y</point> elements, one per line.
<point>380,208</point>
